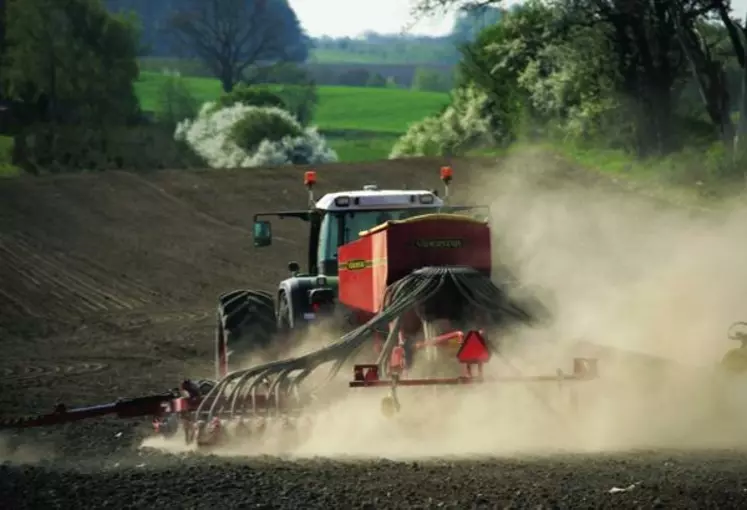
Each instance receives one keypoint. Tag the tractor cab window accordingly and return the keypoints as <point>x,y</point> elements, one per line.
<point>328,243</point>
<point>358,221</point>
<point>337,229</point>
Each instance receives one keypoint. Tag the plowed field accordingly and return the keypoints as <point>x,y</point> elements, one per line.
<point>108,286</point>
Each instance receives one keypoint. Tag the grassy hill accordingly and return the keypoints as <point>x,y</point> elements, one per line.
<point>361,123</point>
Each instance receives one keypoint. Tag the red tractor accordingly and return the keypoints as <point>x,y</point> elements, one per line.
<point>411,277</point>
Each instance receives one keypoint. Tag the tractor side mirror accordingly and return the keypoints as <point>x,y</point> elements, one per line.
<point>262,233</point>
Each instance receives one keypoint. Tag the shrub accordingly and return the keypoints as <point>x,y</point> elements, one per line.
<point>242,136</point>
<point>249,96</point>
<point>260,124</point>
<point>464,124</point>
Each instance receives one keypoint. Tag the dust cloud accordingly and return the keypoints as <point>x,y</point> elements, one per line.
<point>16,452</point>
<point>649,289</point>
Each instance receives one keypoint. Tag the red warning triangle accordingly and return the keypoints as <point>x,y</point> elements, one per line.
<point>473,349</point>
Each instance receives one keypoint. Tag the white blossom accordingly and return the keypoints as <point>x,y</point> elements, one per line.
<point>209,135</point>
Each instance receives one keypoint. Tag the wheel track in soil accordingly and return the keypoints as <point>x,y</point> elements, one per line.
<point>177,322</point>
<point>153,316</point>
<point>44,283</point>
<point>48,282</point>
<point>32,373</point>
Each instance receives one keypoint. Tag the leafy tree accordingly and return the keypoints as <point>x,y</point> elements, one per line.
<point>176,101</point>
<point>469,23</point>
<point>154,16</point>
<point>496,61</point>
<point>229,36</point>
<point>464,124</point>
<point>72,58</point>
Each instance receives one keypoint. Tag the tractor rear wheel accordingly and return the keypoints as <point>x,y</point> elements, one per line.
<point>246,322</point>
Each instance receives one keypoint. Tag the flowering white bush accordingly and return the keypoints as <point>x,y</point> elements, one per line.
<point>211,136</point>
<point>466,121</point>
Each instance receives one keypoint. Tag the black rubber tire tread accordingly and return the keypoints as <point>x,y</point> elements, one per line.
<point>247,319</point>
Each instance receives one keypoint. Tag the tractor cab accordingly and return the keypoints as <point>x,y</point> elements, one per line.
<point>344,215</point>
<point>338,218</point>
<point>335,220</point>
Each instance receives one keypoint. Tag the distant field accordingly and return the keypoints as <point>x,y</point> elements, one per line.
<point>349,116</point>
<point>412,55</point>
<point>346,57</point>
<point>326,71</point>
<point>418,56</point>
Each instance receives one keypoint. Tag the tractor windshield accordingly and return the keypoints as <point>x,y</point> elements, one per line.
<point>341,228</point>
<point>355,222</point>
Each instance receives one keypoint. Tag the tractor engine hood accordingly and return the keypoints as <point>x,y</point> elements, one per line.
<point>394,249</point>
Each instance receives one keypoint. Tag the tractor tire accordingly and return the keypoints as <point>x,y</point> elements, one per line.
<point>246,321</point>
<point>284,318</point>
<point>284,325</point>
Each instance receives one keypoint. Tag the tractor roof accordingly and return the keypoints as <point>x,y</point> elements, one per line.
<point>371,198</point>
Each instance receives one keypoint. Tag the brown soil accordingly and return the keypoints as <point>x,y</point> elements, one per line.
<point>108,286</point>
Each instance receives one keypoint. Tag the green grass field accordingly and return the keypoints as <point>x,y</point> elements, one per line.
<point>360,123</point>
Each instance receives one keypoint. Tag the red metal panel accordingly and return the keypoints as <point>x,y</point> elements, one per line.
<point>368,265</point>
<point>438,242</point>
<point>355,272</point>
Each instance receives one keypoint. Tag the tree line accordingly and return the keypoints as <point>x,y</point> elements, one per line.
<point>68,69</point>
<point>414,49</point>
<point>648,77</point>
